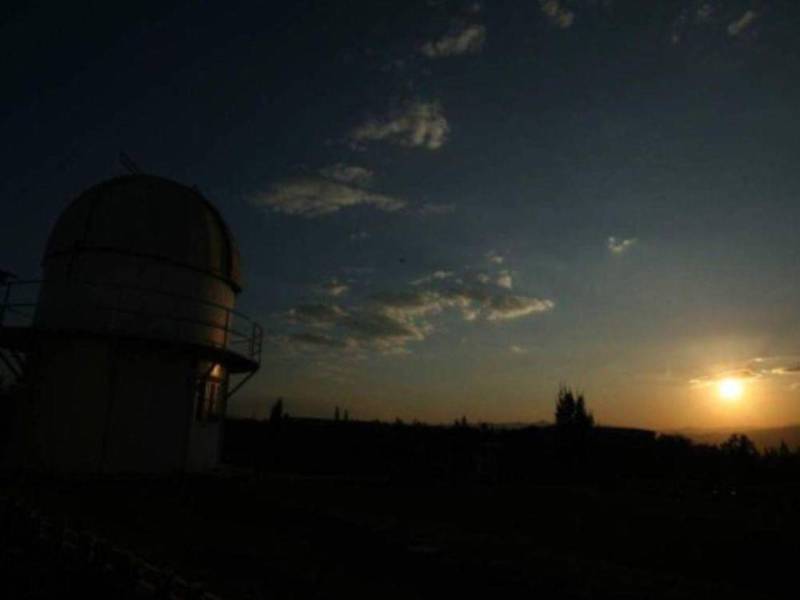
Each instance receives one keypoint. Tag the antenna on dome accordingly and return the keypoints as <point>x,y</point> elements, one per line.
<point>128,163</point>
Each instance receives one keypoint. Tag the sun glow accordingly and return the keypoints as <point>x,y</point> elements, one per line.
<point>730,389</point>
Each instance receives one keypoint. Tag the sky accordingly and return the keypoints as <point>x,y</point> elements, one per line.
<point>449,208</point>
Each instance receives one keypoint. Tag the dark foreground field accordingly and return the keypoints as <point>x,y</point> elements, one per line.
<point>283,536</point>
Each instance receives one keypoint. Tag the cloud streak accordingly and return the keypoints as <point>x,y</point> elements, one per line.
<point>389,321</point>
<point>556,13</point>
<point>334,288</point>
<point>317,196</point>
<point>467,40</point>
<point>349,174</point>
<point>740,25</point>
<point>619,245</point>
<point>418,125</point>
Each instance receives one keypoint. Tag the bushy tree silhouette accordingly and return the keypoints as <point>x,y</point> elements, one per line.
<point>565,407</point>
<point>571,410</point>
<point>739,447</point>
<point>573,428</point>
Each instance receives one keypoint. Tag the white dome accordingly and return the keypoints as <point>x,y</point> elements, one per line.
<point>148,217</point>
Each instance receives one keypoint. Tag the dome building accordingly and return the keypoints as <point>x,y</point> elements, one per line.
<point>133,339</point>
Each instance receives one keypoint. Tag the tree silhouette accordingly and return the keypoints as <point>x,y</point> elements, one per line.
<point>276,415</point>
<point>739,447</point>
<point>583,419</point>
<point>565,407</point>
<point>571,410</point>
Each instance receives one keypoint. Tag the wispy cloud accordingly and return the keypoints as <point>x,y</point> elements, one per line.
<point>465,40</point>
<point>349,174</point>
<point>503,308</point>
<point>334,288</point>
<point>620,245</point>
<point>436,275</point>
<point>504,280</point>
<point>759,367</point>
<point>712,16</point>
<point>557,14</point>
<point>420,124</point>
<point>514,349</point>
<point>317,196</point>
<point>493,304</point>
<point>741,24</point>
<point>389,321</point>
<point>715,378</point>
<point>493,257</point>
<point>317,315</point>
<point>315,339</point>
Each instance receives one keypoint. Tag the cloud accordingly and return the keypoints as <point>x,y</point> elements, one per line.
<point>786,370</point>
<point>504,280</point>
<point>619,245</point>
<point>317,315</point>
<point>350,174</point>
<point>312,197</point>
<point>314,339</point>
<point>467,40</point>
<point>494,258</point>
<point>556,13</point>
<point>436,209</point>
<point>514,349</point>
<point>334,287</point>
<point>715,378</point>
<point>502,308</point>
<point>402,305</point>
<point>755,368</point>
<point>435,276</point>
<point>420,124</point>
<point>493,304</point>
<point>483,278</point>
<point>384,331</point>
<point>389,321</point>
<point>738,26</point>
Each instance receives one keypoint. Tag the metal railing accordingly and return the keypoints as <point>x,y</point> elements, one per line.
<point>228,329</point>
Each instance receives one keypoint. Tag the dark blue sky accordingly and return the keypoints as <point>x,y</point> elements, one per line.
<point>447,208</point>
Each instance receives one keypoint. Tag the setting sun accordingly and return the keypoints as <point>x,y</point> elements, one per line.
<point>730,389</point>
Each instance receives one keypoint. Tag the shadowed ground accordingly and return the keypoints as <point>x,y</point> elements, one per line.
<point>291,537</point>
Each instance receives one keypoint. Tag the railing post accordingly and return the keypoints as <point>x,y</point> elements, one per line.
<point>227,327</point>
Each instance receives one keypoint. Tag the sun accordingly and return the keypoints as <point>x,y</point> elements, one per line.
<point>730,389</point>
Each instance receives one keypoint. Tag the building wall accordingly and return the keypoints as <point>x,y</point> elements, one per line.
<point>106,406</point>
<point>149,409</point>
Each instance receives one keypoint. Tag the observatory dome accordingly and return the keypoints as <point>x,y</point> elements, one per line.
<point>148,217</point>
